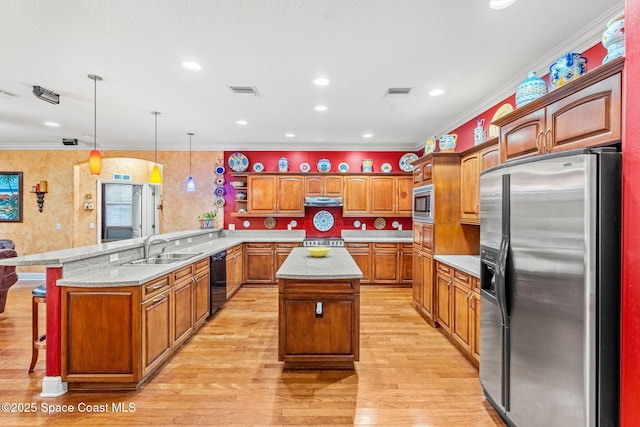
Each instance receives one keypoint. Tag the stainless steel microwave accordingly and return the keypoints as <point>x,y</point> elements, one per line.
<point>423,202</point>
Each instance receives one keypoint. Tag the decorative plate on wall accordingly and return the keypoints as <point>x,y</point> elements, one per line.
<point>406,160</point>
<point>379,223</point>
<point>219,202</point>
<point>323,221</point>
<point>343,167</point>
<point>219,191</point>
<point>270,222</point>
<point>238,162</point>
<point>258,167</point>
<point>305,167</point>
<point>220,170</point>
<point>494,131</point>
<point>386,167</point>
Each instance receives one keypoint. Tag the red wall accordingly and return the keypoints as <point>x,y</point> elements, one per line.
<point>630,357</point>
<point>594,56</point>
<point>270,161</point>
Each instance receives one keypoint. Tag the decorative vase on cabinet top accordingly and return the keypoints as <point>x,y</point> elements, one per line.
<point>479,133</point>
<point>613,39</point>
<point>447,143</point>
<point>532,88</point>
<point>567,68</point>
<point>367,165</point>
<point>283,164</point>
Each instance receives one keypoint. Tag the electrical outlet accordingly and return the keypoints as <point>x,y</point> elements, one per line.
<point>177,242</point>
<point>113,257</point>
<point>189,240</point>
<point>88,205</point>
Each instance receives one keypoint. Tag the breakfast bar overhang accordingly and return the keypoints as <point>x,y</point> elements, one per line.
<point>319,310</point>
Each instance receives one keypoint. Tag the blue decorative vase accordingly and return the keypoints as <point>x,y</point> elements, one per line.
<point>567,68</point>
<point>283,164</point>
<point>532,88</point>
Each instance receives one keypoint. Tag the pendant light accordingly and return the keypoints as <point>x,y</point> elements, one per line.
<point>95,158</point>
<point>191,186</point>
<point>156,177</point>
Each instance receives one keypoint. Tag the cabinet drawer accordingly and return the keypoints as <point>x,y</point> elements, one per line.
<point>392,246</point>
<point>201,265</point>
<point>475,284</point>
<point>407,246</point>
<point>256,245</point>
<point>287,245</point>
<point>353,245</point>
<point>462,277</point>
<point>443,268</point>
<point>179,275</point>
<point>154,287</point>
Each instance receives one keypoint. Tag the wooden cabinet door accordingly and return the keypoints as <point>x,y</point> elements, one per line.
<point>356,195</point>
<point>417,277</point>
<point>489,157</point>
<point>406,263</point>
<point>282,252</point>
<point>470,189</point>
<point>523,136</point>
<point>201,293</point>
<point>427,237</point>
<point>361,254</point>
<point>239,275</point>
<point>332,186</point>
<point>417,234</point>
<point>156,331</point>
<point>404,194</point>
<point>586,118</point>
<point>385,263</point>
<point>443,301</point>
<point>259,263</point>
<point>290,197</point>
<point>231,272</point>
<point>382,196</point>
<point>427,287</point>
<point>261,196</point>
<point>461,326</point>
<point>313,186</point>
<point>182,311</point>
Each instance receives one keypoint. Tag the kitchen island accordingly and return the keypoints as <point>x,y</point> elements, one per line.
<point>319,310</point>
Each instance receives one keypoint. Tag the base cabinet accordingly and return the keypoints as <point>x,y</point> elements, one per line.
<point>235,270</point>
<point>262,261</point>
<point>319,323</point>
<point>147,324</point>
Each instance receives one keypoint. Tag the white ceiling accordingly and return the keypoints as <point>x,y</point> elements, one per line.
<point>364,47</point>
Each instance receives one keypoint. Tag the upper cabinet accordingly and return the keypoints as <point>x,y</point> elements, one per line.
<point>356,195</point>
<point>584,113</point>
<point>472,163</point>
<point>275,195</point>
<point>323,185</point>
<point>391,195</point>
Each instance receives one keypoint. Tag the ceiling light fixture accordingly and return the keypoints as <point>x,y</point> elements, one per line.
<point>436,92</point>
<point>321,81</point>
<point>193,66</point>
<point>290,135</point>
<point>46,95</point>
<point>52,124</point>
<point>191,186</point>
<point>95,158</point>
<point>500,4</point>
<point>367,135</point>
<point>321,108</point>
<point>156,176</point>
<point>242,122</point>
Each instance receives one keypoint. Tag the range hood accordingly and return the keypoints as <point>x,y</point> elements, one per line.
<point>323,201</point>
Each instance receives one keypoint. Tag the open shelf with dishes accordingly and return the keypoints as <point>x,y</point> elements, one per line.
<point>238,184</point>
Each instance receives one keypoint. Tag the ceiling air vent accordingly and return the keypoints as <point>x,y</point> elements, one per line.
<point>244,90</point>
<point>398,91</point>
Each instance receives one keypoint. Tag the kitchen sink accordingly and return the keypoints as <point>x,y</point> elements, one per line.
<point>169,258</point>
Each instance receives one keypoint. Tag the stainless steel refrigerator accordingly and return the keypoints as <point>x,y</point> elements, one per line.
<point>550,289</point>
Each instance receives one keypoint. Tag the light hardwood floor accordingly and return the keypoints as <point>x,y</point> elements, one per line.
<point>228,374</point>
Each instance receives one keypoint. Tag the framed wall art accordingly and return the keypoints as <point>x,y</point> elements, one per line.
<point>10,196</point>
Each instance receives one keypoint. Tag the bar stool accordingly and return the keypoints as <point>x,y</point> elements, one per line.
<point>39,296</point>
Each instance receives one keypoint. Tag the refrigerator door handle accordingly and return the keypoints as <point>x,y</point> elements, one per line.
<point>501,274</point>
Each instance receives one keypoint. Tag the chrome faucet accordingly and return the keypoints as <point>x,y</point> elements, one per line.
<point>150,240</point>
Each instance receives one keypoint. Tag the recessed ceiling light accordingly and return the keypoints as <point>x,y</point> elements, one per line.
<point>193,66</point>
<point>242,122</point>
<point>367,135</point>
<point>321,81</point>
<point>321,108</point>
<point>436,92</point>
<point>500,4</point>
<point>52,124</point>
<point>290,135</point>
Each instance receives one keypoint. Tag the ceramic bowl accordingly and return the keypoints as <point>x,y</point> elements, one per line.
<point>318,251</point>
<point>237,184</point>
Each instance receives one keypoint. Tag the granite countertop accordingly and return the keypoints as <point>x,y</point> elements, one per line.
<point>338,264</point>
<point>470,264</point>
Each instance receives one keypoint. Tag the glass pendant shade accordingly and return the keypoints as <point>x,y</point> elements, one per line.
<point>156,176</point>
<point>95,162</point>
<point>191,186</point>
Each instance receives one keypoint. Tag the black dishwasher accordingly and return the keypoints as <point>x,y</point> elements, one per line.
<point>218,280</point>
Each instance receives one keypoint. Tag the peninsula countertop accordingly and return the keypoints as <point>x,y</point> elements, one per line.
<point>338,264</point>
